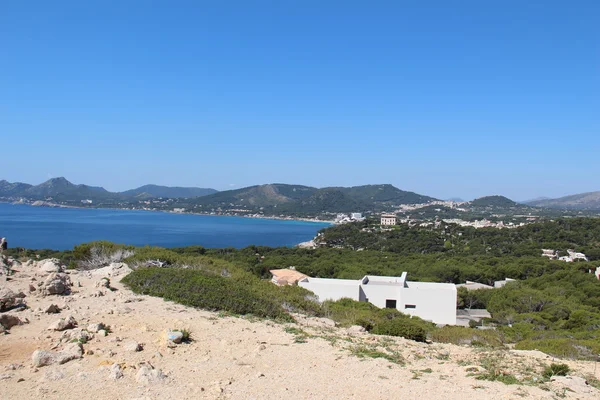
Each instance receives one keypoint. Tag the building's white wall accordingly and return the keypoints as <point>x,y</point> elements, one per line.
<point>378,294</point>
<point>433,304</point>
<point>328,290</point>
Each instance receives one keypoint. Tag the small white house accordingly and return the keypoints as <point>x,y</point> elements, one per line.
<point>435,302</point>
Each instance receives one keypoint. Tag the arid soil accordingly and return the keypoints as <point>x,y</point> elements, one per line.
<point>240,358</point>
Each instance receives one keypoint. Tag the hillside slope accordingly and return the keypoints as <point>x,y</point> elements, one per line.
<point>582,201</point>
<point>168,191</point>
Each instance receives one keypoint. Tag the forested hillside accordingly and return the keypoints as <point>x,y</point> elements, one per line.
<point>580,234</point>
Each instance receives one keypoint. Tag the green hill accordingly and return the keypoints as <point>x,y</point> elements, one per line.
<point>493,201</point>
<point>149,191</point>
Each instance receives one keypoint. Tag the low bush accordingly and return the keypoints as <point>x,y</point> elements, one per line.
<point>403,327</point>
<point>556,370</point>
<point>99,254</point>
<point>467,336</point>
<point>197,289</point>
<point>576,349</point>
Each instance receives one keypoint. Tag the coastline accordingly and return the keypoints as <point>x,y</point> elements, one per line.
<point>270,217</point>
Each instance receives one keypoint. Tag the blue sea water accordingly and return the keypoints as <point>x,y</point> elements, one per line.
<point>62,228</point>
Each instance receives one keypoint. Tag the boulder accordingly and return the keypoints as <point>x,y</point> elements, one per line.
<point>114,269</point>
<point>7,321</point>
<point>78,334</point>
<point>103,283</point>
<point>116,372</point>
<point>94,328</point>
<point>147,375</point>
<point>574,384</point>
<point>175,336</point>
<point>133,346</point>
<point>63,324</point>
<point>56,283</point>
<point>52,309</point>
<point>50,265</point>
<point>356,330</point>
<point>42,358</point>
<point>10,299</point>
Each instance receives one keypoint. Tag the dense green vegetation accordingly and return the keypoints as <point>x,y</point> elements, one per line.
<point>580,234</point>
<point>552,306</point>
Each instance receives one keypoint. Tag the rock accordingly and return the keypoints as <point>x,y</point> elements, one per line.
<point>7,321</point>
<point>133,346</point>
<point>116,372</point>
<point>356,330</point>
<point>5,376</point>
<point>63,323</point>
<point>96,328</point>
<point>175,336</point>
<point>10,299</point>
<point>78,334</point>
<point>114,269</point>
<point>51,265</point>
<point>56,283</point>
<point>103,283</point>
<point>32,288</point>
<point>574,383</point>
<point>102,332</point>
<point>42,358</point>
<point>52,309</point>
<point>146,375</point>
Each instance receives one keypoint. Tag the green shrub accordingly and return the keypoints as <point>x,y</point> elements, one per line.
<point>469,336</point>
<point>195,288</point>
<point>404,327</point>
<point>556,370</point>
<point>563,347</point>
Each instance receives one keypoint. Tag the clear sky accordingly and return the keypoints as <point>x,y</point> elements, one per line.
<point>446,98</point>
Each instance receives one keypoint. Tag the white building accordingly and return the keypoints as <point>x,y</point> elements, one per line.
<point>499,284</point>
<point>388,219</point>
<point>435,302</point>
<point>356,216</point>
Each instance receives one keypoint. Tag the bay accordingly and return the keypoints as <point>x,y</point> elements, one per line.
<point>62,228</point>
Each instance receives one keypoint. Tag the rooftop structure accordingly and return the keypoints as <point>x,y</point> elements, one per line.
<point>469,285</point>
<point>288,276</point>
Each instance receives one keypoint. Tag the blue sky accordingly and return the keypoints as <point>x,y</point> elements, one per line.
<point>462,98</point>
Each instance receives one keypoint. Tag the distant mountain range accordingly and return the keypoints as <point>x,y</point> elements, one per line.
<point>582,201</point>
<point>60,189</point>
<point>272,199</point>
<point>290,199</point>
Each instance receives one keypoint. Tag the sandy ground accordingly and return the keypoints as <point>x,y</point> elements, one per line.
<point>241,358</point>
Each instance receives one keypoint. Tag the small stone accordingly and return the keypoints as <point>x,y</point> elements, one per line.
<point>133,346</point>
<point>63,323</point>
<point>102,332</point>
<point>116,372</point>
<point>175,336</point>
<point>96,327</point>
<point>52,309</point>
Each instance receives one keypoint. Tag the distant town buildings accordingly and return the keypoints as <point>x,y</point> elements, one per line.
<point>571,256</point>
<point>345,218</point>
<point>388,219</point>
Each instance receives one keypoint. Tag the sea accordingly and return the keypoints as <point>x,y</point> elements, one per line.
<point>62,228</point>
